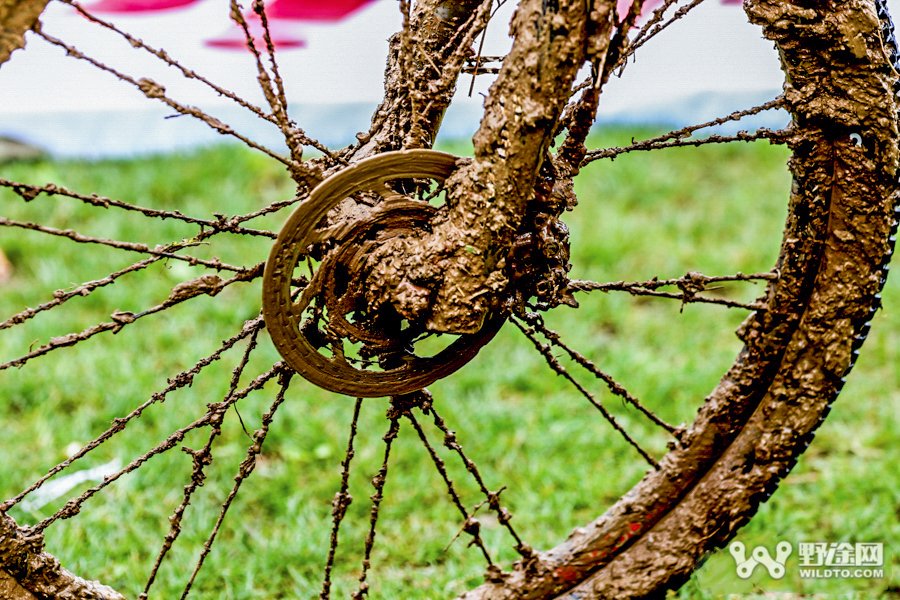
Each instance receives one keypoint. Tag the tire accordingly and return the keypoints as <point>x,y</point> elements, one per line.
<point>833,262</point>
<point>838,239</point>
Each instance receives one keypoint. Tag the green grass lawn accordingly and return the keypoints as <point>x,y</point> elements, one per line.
<point>716,210</point>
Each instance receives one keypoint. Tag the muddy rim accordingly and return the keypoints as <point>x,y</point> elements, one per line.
<point>764,412</point>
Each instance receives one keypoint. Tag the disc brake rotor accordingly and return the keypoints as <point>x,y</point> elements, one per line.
<point>313,287</point>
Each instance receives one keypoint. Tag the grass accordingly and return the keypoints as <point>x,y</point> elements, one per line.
<point>715,209</point>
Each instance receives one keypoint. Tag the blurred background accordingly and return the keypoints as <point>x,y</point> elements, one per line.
<point>333,61</point>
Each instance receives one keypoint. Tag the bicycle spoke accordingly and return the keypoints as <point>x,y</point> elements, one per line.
<point>245,469</point>
<point>651,30</point>
<point>544,349</point>
<point>341,502</point>
<point>686,298</point>
<point>222,224</point>
<point>655,18</point>
<point>166,58</point>
<point>61,296</point>
<point>182,379</point>
<point>478,58</point>
<point>470,524</point>
<point>378,483</point>
<point>180,293</point>
<point>579,116</point>
<point>274,207</point>
<point>201,458</point>
<point>685,132</point>
<point>161,251</point>
<point>153,90</point>
<point>280,100</point>
<point>690,285</point>
<point>265,81</point>
<point>215,413</point>
<point>779,136</point>
<point>537,321</point>
<point>294,136</point>
<point>778,102</point>
<point>29,192</point>
<point>493,498</point>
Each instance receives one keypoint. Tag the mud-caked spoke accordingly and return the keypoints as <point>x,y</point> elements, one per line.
<point>180,380</point>
<point>170,251</point>
<point>29,192</point>
<point>214,416</point>
<point>690,286</point>
<point>378,482</point>
<point>471,526</point>
<point>153,90</point>
<point>280,97</point>
<point>476,65</point>
<point>491,497</point>
<point>678,139</point>
<point>537,322</point>
<point>340,504</point>
<point>161,251</point>
<point>554,364</point>
<point>654,27</point>
<point>680,135</point>
<point>654,19</point>
<point>169,60</point>
<point>272,87</point>
<point>478,60</point>
<point>201,459</point>
<point>245,469</point>
<point>85,289</point>
<point>274,95</point>
<point>184,291</point>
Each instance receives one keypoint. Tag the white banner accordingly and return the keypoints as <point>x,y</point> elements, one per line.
<point>705,65</point>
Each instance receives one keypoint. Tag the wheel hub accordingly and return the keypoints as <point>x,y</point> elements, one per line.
<point>314,287</point>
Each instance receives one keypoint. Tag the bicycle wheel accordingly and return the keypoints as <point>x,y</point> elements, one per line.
<point>800,342</point>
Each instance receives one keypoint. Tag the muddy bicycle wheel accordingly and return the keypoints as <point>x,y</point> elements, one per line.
<point>800,340</point>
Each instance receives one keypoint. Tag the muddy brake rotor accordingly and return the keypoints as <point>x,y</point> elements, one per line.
<point>315,281</point>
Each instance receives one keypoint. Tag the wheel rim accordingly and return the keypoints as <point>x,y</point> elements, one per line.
<point>856,317</point>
